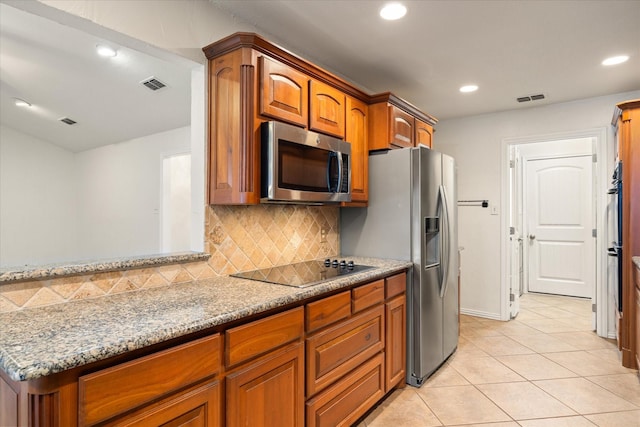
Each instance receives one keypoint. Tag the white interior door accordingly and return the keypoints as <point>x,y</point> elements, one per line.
<point>560,218</point>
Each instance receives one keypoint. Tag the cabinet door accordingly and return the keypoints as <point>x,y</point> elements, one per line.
<point>284,92</point>
<point>199,407</point>
<point>327,113</point>
<point>395,342</point>
<point>357,134</point>
<point>268,393</point>
<point>424,134</point>
<point>233,154</point>
<point>402,128</point>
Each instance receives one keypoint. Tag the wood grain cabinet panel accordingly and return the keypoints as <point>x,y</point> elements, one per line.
<point>390,127</point>
<point>402,128</point>
<point>112,391</point>
<point>327,311</point>
<point>396,341</point>
<point>233,154</point>
<point>336,351</point>
<point>627,121</point>
<point>327,109</point>
<point>253,339</point>
<point>636,274</point>
<point>424,133</point>
<point>357,131</point>
<point>395,285</point>
<point>350,398</point>
<point>269,393</point>
<point>284,92</point>
<point>197,407</point>
<point>368,295</point>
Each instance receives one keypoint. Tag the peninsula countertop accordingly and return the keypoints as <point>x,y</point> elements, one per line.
<point>43,341</point>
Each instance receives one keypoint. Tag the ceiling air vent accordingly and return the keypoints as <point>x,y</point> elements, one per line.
<point>153,83</point>
<point>530,98</point>
<point>68,121</point>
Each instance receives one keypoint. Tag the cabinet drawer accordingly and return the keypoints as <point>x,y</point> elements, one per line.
<point>112,391</point>
<point>196,407</point>
<point>368,295</point>
<point>350,398</point>
<point>327,311</point>
<point>336,351</point>
<point>253,339</point>
<point>395,285</point>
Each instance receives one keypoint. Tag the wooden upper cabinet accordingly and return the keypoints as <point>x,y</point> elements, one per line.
<point>327,109</point>
<point>284,92</point>
<point>390,127</point>
<point>233,153</point>
<point>402,128</point>
<point>424,133</point>
<point>357,130</point>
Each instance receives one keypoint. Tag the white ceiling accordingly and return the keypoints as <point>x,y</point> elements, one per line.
<point>55,67</point>
<point>508,48</point>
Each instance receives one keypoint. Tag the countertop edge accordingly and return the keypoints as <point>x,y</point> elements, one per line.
<point>49,271</point>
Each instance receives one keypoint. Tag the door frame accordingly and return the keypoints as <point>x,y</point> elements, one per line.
<point>600,197</point>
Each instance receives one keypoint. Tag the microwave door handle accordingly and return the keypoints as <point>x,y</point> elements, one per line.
<point>330,158</point>
<point>340,166</point>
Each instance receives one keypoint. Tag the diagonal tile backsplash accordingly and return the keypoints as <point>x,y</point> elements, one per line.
<point>239,238</point>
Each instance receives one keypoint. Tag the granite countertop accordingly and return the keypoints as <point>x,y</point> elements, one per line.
<point>636,261</point>
<point>42,341</point>
<point>49,271</point>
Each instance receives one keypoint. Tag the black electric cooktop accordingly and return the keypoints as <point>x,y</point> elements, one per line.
<point>303,274</point>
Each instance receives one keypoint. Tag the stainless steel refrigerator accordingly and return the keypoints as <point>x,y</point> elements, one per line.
<point>412,215</point>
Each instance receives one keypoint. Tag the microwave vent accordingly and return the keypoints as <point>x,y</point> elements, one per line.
<point>153,83</point>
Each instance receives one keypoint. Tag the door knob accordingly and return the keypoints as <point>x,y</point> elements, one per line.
<point>532,236</point>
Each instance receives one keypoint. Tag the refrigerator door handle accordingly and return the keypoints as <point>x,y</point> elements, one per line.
<point>444,236</point>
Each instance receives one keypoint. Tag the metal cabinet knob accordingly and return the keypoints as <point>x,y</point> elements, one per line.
<point>532,236</point>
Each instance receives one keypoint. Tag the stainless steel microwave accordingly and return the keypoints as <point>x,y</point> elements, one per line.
<point>300,166</point>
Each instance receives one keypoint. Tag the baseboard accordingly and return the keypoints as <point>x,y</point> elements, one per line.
<point>477,313</point>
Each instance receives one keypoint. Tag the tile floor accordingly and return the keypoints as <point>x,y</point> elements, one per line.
<point>546,368</point>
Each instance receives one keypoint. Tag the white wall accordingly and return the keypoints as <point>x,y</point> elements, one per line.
<point>37,200</point>
<point>476,143</point>
<point>57,206</point>
<point>116,218</point>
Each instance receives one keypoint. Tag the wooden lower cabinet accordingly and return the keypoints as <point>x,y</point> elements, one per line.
<point>325,362</point>
<point>349,398</point>
<point>636,273</point>
<point>396,342</point>
<point>268,393</point>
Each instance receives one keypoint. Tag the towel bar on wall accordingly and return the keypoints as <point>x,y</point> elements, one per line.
<point>479,203</point>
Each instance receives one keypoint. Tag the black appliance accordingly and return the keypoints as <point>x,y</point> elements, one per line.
<point>303,274</point>
<point>615,250</point>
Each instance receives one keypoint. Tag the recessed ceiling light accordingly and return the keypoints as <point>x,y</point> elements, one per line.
<point>21,102</point>
<point>393,11</point>
<point>468,88</point>
<point>615,60</point>
<point>107,51</point>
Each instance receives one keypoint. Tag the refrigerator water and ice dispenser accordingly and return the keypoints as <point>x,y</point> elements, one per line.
<point>432,241</point>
